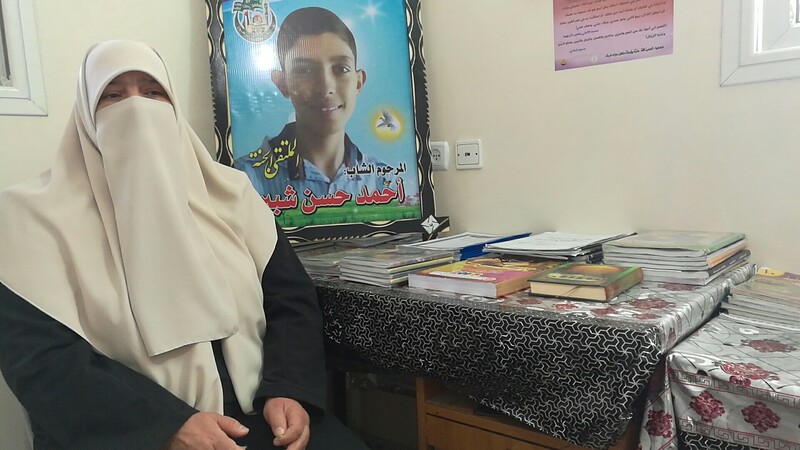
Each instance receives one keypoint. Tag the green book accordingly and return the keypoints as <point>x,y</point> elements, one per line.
<point>597,282</point>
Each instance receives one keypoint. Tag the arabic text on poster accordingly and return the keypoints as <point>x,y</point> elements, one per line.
<point>592,32</point>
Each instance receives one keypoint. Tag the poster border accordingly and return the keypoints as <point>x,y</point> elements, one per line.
<point>428,224</point>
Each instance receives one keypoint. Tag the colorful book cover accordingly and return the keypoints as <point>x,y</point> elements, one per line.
<point>585,281</point>
<point>486,277</point>
<point>690,243</point>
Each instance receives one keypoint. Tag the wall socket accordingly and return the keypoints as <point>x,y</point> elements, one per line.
<point>440,155</point>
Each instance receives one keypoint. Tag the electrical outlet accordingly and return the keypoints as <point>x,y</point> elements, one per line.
<point>440,155</point>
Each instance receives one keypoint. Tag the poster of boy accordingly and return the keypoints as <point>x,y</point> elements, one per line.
<point>321,108</point>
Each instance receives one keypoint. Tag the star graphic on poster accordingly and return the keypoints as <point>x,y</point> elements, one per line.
<point>371,11</point>
<point>430,224</point>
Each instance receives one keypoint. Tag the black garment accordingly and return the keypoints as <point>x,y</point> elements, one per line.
<point>327,433</point>
<point>77,398</point>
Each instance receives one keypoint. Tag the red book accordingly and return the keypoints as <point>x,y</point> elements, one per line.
<point>485,277</point>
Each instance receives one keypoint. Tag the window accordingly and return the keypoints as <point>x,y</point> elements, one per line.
<point>795,7</point>
<point>21,85</point>
<point>760,41</point>
<point>5,75</point>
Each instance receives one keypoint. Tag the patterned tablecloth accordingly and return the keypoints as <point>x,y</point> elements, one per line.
<point>730,385</point>
<point>570,369</point>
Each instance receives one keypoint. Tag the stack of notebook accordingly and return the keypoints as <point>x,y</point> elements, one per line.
<point>556,245</point>
<point>685,257</point>
<point>388,267</point>
<point>772,296</point>
<point>323,260</point>
<point>464,245</point>
<point>325,264</point>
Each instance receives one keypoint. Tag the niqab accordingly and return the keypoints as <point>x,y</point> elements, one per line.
<point>139,242</point>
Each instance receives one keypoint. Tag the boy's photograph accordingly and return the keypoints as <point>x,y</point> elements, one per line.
<point>321,110</point>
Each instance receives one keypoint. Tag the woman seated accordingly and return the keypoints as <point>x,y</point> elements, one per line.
<point>147,298</point>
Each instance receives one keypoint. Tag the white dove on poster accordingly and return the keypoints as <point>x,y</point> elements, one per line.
<point>387,120</point>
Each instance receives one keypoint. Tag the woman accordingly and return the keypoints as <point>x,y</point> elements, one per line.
<point>147,299</point>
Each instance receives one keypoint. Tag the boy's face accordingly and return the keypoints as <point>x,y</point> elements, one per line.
<point>321,80</point>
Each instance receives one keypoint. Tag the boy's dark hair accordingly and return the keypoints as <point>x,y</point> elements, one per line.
<point>311,21</point>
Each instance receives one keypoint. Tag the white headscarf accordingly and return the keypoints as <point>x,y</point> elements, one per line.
<point>140,242</point>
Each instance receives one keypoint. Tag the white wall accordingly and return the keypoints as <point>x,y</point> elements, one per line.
<point>646,144</point>
<point>177,29</point>
<point>638,145</point>
<point>630,146</point>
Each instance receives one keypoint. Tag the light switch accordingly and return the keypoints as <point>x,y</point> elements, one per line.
<point>468,154</point>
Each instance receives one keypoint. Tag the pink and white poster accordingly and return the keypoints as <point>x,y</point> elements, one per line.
<point>593,32</point>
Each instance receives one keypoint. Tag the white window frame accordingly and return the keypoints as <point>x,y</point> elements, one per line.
<point>760,41</point>
<point>25,96</point>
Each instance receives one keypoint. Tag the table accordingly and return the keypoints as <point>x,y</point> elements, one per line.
<point>730,385</point>
<point>570,369</point>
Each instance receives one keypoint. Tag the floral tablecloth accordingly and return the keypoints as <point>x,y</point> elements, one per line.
<point>730,385</point>
<point>570,369</point>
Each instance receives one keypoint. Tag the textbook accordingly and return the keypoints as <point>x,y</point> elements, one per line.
<point>322,264</point>
<point>771,286</point>
<point>465,245</point>
<point>556,245</point>
<point>387,260</point>
<point>385,279</point>
<point>373,241</point>
<point>760,322</point>
<point>698,244</point>
<point>485,276</point>
<point>388,267</point>
<point>674,262</point>
<point>598,282</point>
<point>327,263</point>
<point>771,295</point>
<point>758,313</point>
<point>697,277</point>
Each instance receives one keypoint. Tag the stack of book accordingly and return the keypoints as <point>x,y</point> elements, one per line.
<point>388,267</point>
<point>307,246</point>
<point>685,257</point>
<point>464,245</point>
<point>771,296</point>
<point>380,240</point>
<point>483,276</point>
<point>556,245</point>
<point>325,264</point>
<point>321,258</point>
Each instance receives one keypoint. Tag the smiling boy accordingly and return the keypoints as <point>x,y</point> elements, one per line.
<point>319,75</point>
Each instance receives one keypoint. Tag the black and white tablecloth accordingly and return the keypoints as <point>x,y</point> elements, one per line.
<point>570,369</point>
